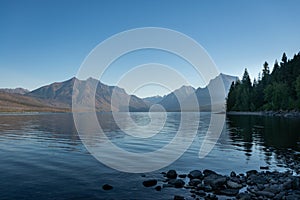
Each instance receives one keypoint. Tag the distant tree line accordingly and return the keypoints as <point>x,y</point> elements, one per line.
<point>276,90</point>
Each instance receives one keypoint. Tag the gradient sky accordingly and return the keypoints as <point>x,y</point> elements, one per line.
<point>46,41</point>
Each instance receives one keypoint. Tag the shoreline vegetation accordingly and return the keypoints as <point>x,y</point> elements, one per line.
<point>276,91</point>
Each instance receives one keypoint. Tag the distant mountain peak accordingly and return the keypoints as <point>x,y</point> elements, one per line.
<point>18,90</point>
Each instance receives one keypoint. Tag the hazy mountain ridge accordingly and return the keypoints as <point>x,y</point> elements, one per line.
<point>187,96</point>
<point>153,99</point>
<point>171,101</point>
<point>14,90</point>
<point>58,97</point>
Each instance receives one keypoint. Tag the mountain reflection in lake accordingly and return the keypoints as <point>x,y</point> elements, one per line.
<point>42,157</point>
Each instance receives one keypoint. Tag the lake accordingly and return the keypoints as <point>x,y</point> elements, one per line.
<point>42,156</point>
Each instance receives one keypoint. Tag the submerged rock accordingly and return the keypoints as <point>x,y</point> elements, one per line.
<point>177,197</point>
<point>229,192</point>
<point>171,174</point>
<point>195,174</point>
<point>107,187</point>
<point>158,188</point>
<point>150,183</point>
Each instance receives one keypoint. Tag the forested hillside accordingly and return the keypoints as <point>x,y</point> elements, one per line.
<point>276,90</point>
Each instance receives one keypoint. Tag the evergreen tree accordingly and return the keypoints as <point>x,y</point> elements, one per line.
<point>284,58</point>
<point>279,90</point>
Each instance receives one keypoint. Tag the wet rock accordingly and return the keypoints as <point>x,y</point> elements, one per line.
<point>167,185</point>
<point>208,188</point>
<point>171,174</point>
<point>287,185</point>
<point>188,187</point>
<point>273,188</point>
<point>107,187</point>
<point>177,197</point>
<point>264,167</point>
<point>233,185</point>
<point>211,197</point>
<point>243,196</point>
<point>182,175</point>
<point>232,174</point>
<point>279,196</point>
<point>194,182</point>
<point>158,188</point>
<point>255,179</point>
<point>150,183</point>
<point>265,194</point>
<point>200,193</point>
<point>195,174</point>
<point>215,180</point>
<point>292,197</point>
<point>229,192</point>
<point>179,183</point>
<point>260,186</point>
<point>208,172</point>
<point>250,172</point>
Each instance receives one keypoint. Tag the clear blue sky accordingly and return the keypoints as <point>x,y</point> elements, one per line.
<point>46,41</point>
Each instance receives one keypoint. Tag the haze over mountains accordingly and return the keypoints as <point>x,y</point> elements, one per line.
<point>57,97</point>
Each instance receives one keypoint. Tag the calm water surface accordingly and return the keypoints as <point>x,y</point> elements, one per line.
<point>42,157</point>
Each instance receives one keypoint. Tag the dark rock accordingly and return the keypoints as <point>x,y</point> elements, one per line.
<point>207,172</point>
<point>158,188</point>
<point>279,196</point>
<point>177,197</point>
<point>232,174</point>
<point>229,192</point>
<point>195,174</point>
<point>192,191</point>
<point>107,187</point>
<point>287,185</point>
<point>260,186</point>
<point>243,196</point>
<point>171,174</point>
<point>215,180</point>
<point>254,179</point>
<point>194,182</point>
<point>200,186</point>
<point>182,175</point>
<point>292,197</point>
<point>167,185</point>
<point>179,183</point>
<point>211,197</point>
<point>250,172</point>
<point>188,187</point>
<point>208,188</point>
<point>265,194</point>
<point>264,167</point>
<point>200,193</point>
<point>273,188</point>
<point>233,185</point>
<point>143,175</point>
<point>150,183</point>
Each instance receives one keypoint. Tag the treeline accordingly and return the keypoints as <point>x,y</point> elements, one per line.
<point>276,90</point>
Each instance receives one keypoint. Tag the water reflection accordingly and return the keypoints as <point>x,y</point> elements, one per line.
<point>270,135</point>
<point>44,152</point>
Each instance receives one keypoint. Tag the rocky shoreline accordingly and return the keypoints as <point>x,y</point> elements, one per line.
<point>287,114</point>
<point>210,185</point>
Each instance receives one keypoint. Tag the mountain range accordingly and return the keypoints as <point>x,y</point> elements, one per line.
<point>57,97</point>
